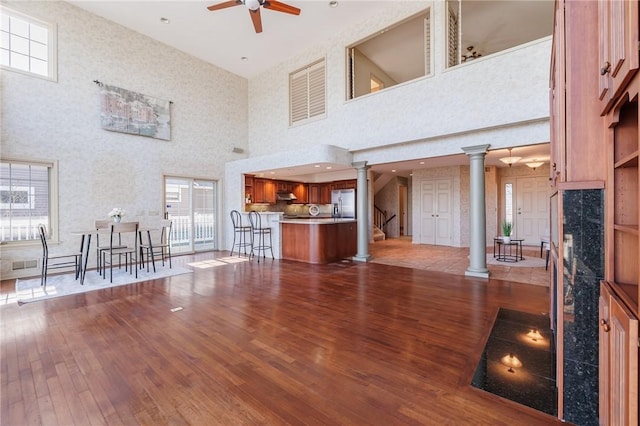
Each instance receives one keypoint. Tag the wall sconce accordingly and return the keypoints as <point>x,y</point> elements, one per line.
<point>534,164</point>
<point>535,335</point>
<point>510,160</point>
<point>511,361</point>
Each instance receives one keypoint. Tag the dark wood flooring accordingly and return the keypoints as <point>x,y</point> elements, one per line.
<point>277,342</point>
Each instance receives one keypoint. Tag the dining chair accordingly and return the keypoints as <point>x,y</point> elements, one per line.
<point>57,261</point>
<point>115,253</point>
<point>102,225</point>
<point>161,247</point>
<point>240,232</point>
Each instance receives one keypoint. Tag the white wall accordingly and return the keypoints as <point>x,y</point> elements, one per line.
<point>493,92</point>
<point>99,170</point>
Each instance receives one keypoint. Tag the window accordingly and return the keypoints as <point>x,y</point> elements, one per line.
<point>479,28</point>
<point>307,93</point>
<point>26,190</point>
<point>390,57</point>
<point>27,45</point>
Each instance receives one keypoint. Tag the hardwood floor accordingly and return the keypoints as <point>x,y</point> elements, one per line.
<point>277,342</point>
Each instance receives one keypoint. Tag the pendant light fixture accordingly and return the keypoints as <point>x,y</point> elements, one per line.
<point>510,160</point>
<point>534,164</point>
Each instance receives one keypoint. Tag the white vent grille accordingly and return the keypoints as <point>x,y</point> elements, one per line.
<point>307,92</point>
<point>24,264</point>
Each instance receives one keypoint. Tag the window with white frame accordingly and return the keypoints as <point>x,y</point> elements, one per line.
<point>307,93</point>
<point>27,45</point>
<point>26,190</point>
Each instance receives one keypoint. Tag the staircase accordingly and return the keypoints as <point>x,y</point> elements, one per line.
<point>378,235</point>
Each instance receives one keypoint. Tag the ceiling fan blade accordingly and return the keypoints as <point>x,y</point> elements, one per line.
<point>225,4</point>
<point>256,19</point>
<point>280,7</point>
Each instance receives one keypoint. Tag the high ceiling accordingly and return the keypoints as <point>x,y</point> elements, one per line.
<point>224,37</point>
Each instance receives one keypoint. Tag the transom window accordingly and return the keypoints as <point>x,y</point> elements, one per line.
<point>25,199</point>
<point>27,45</point>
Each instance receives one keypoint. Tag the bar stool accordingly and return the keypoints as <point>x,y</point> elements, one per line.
<point>259,236</point>
<point>240,233</point>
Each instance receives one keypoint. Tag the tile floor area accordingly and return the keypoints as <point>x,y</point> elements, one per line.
<point>517,364</point>
<point>454,260</point>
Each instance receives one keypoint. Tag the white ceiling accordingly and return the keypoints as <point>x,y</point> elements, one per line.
<point>224,37</point>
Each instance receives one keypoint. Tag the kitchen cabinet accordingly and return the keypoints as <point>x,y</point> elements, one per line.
<point>319,240</point>
<point>285,186</point>
<point>344,184</point>
<point>264,191</point>
<point>618,360</point>
<point>319,193</point>
<point>248,189</point>
<point>618,48</point>
<point>301,192</point>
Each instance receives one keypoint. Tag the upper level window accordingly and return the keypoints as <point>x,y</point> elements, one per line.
<point>390,57</point>
<point>480,28</point>
<point>27,45</point>
<point>307,93</point>
<point>26,200</point>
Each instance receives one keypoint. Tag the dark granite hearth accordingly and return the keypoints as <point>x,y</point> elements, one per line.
<point>533,382</point>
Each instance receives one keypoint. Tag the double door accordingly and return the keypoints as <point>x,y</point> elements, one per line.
<point>436,207</point>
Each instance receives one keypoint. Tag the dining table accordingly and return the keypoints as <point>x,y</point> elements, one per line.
<point>85,245</point>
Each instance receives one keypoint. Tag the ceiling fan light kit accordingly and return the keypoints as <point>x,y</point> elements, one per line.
<point>254,9</point>
<point>472,54</point>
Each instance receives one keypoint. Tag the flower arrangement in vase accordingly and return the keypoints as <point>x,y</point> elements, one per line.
<point>507,228</point>
<point>117,214</point>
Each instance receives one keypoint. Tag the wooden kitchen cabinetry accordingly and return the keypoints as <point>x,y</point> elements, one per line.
<point>319,193</point>
<point>618,47</point>
<point>300,190</point>
<point>619,307</point>
<point>344,184</point>
<point>264,190</point>
<point>618,360</point>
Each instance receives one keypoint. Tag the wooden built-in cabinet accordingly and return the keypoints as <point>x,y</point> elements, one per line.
<point>264,191</point>
<point>618,47</point>
<point>620,293</point>
<point>319,193</point>
<point>618,360</point>
<point>261,190</point>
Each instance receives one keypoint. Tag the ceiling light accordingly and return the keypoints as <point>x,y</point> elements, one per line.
<point>329,167</point>
<point>333,3</point>
<point>534,164</point>
<point>511,361</point>
<point>317,165</point>
<point>472,54</point>
<point>164,20</point>
<point>252,4</point>
<point>422,162</point>
<point>510,160</point>
<point>393,170</point>
<point>534,335</point>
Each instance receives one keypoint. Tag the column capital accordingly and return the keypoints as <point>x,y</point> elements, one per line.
<point>477,149</point>
<point>360,165</point>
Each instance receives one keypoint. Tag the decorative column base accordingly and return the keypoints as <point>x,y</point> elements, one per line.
<point>477,273</point>
<point>365,258</point>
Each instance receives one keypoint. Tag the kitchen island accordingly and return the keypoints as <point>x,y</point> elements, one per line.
<point>318,240</point>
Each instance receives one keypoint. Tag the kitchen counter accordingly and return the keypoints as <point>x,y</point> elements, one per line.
<point>318,240</point>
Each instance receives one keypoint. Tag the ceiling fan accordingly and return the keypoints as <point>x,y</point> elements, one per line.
<point>254,9</point>
<point>472,54</point>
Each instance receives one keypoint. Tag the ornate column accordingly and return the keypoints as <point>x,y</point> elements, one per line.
<point>362,195</point>
<point>477,212</point>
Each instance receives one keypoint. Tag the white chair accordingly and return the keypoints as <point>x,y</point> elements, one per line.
<point>162,247</point>
<point>57,261</point>
<point>115,252</point>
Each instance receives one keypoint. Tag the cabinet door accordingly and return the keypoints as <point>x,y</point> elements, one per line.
<point>301,193</point>
<point>618,46</point>
<point>325,193</point>
<point>314,193</point>
<point>619,376</point>
<point>258,190</point>
<point>269,191</point>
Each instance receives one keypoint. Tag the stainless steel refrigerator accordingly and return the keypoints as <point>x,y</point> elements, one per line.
<point>344,203</point>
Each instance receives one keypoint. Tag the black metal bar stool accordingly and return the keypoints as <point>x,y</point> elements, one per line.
<point>259,237</point>
<point>240,233</point>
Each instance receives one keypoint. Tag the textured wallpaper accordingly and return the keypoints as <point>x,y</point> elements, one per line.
<point>99,169</point>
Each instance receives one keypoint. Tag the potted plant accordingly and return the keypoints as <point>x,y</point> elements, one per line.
<point>507,227</point>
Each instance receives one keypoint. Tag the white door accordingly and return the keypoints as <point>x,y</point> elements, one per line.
<point>436,212</point>
<point>191,205</point>
<point>532,209</point>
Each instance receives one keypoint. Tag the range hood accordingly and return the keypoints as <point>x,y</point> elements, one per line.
<point>285,196</point>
